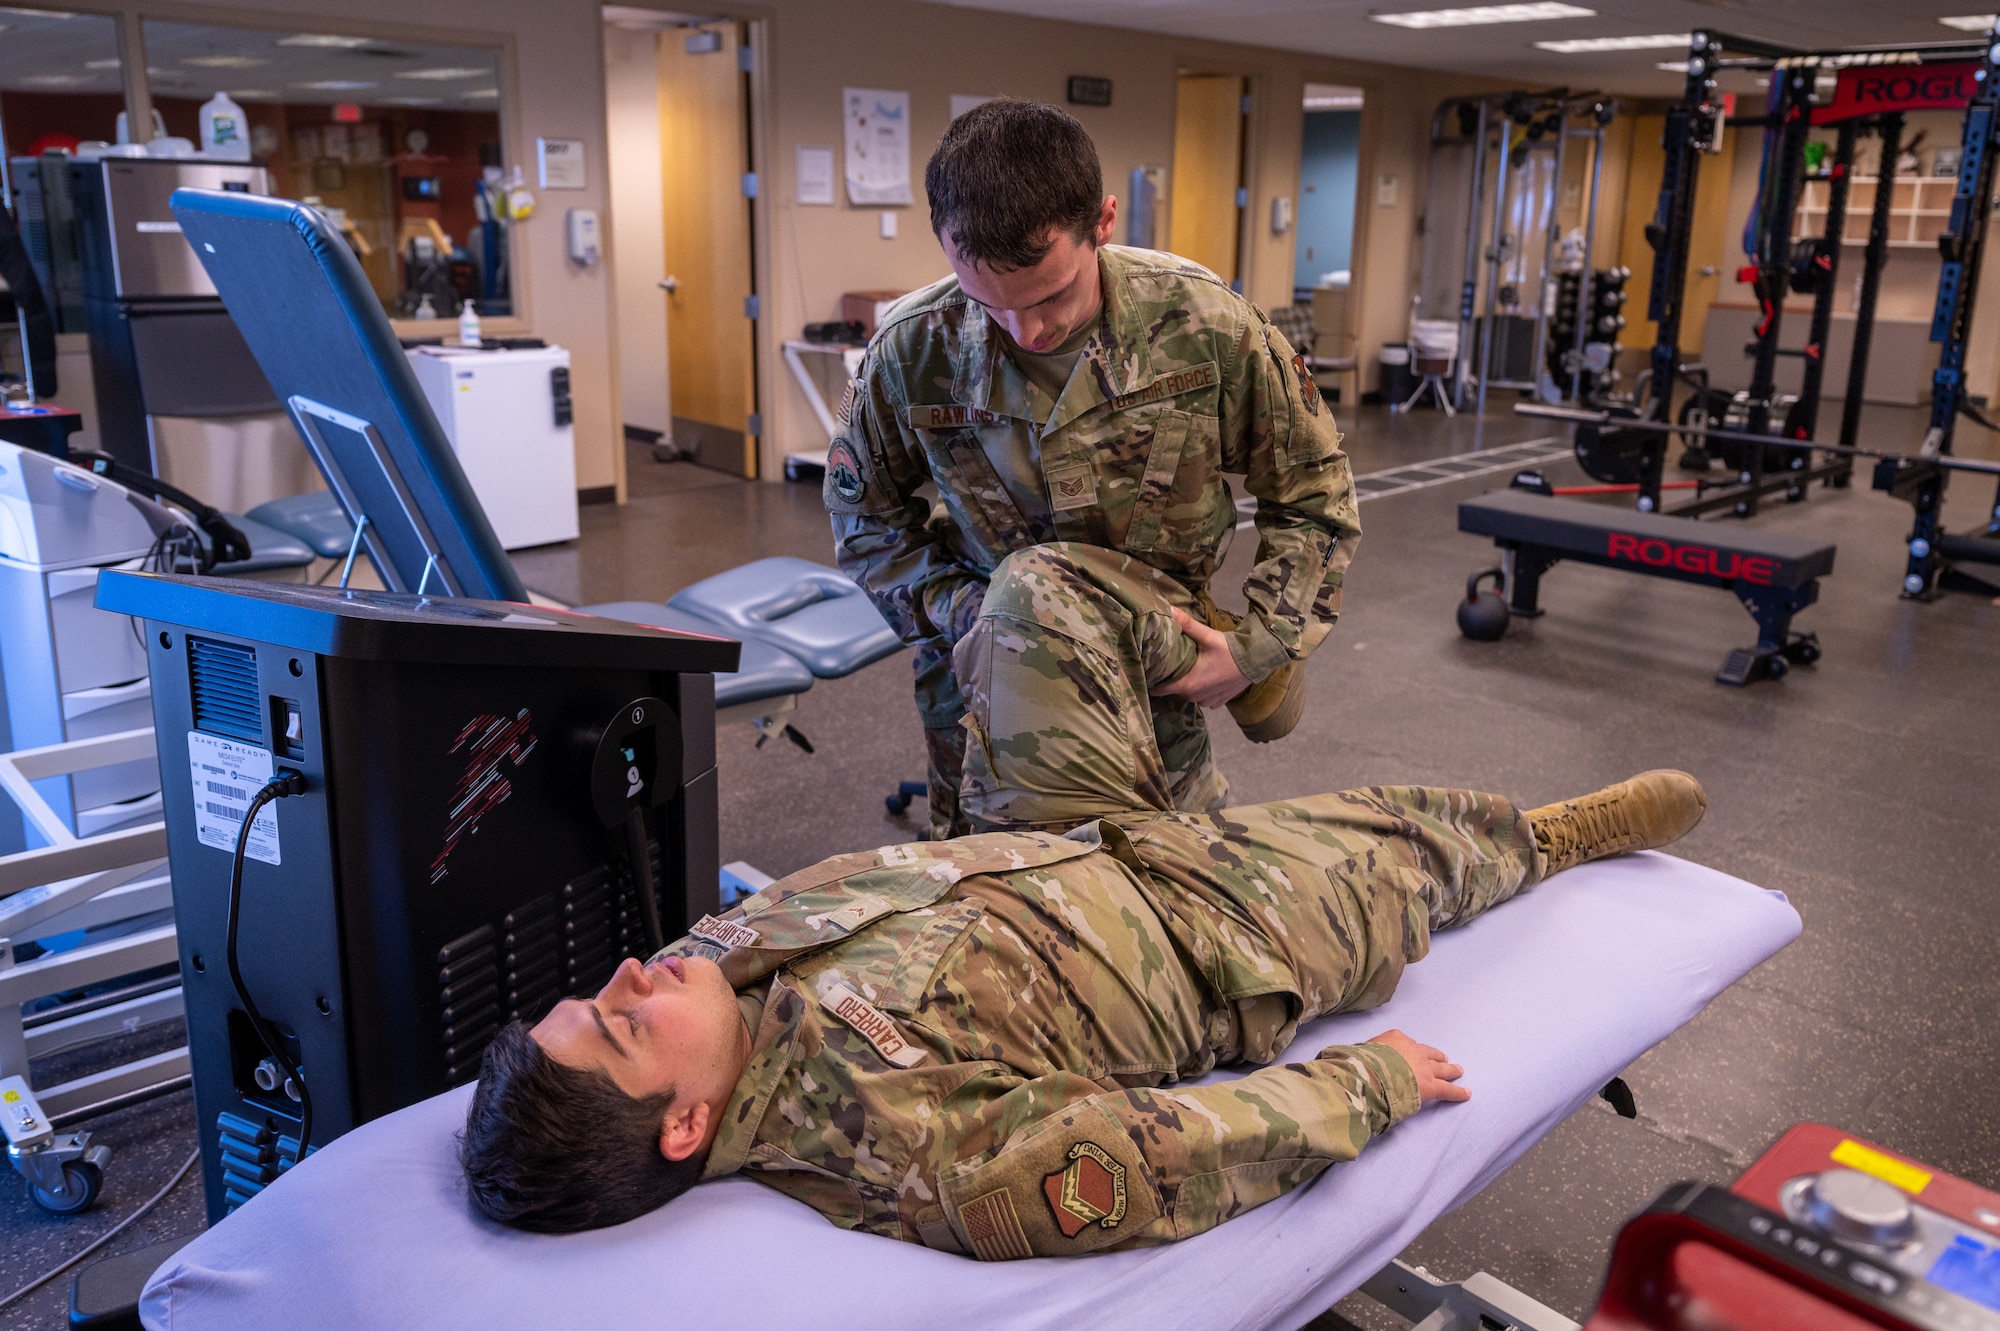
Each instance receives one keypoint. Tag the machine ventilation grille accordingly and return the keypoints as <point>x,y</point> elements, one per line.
<point>559,943</point>
<point>224,685</point>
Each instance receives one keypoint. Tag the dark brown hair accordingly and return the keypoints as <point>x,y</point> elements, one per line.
<point>556,1149</point>
<point>1007,172</point>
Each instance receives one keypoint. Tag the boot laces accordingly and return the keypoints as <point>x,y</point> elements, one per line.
<point>1593,825</point>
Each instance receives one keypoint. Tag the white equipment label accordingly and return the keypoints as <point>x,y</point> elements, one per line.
<point>226,774</point>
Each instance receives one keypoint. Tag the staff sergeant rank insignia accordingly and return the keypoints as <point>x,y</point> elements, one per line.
<point>843,471</point>
<point>1090,1189</point>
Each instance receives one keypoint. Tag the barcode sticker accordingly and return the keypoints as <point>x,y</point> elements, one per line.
<point>226,774</point>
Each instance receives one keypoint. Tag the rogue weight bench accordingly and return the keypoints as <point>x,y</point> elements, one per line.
<point>1773,574</point>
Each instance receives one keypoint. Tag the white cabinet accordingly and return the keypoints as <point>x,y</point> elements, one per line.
<point>507,415</point>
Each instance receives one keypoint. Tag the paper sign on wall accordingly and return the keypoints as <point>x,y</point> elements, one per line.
<point>561,163</point>
<point>878,146</point>
<point>815,174</point>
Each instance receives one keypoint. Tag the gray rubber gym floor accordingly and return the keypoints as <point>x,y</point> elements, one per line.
<point>1863,787</point>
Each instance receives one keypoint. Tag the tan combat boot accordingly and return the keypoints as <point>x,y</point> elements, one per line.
<point>1269,709</point>
<point>1643,813</point>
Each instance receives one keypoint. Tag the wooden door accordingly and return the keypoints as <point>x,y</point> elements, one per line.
<point>1204,223</point>
<point>705,151</point>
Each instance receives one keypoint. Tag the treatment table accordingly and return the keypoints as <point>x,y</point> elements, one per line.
<point>1543,1000</point>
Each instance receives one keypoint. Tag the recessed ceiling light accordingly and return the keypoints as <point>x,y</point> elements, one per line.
<point>414,101</point>
<point>441,74</point>
<point>335,85</point>
<point>254,94</point>
<point>324,39</point>
<point>35,13</point>
<point>224,61</point>
<point>1466,18</point>
<point>1581,45</point>
<point>112,63</point>
<point>1673,66</point>
<point>52,80</point>
<point>481,92</point>
<point>1970,22</point>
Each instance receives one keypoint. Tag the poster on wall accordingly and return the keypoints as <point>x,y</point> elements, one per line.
<point>878,146</point>
<point>815,174</point>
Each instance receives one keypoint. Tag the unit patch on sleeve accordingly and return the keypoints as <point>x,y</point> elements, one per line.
<point>844,413</point>
<point>1308,390</point>
<point>1089,1190</point>
<point>843,471</point>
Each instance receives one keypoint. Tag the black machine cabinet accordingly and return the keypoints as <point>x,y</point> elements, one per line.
<point>445,870</point>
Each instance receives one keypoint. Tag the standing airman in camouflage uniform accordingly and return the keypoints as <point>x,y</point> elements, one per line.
<point>1109,423</point>
<point>981,1044</point>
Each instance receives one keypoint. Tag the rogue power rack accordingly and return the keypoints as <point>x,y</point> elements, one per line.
<point>1874,87</point>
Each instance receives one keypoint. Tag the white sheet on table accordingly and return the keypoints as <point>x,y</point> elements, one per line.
<point>1543,1001</point>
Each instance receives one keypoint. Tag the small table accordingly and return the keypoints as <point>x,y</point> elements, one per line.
<point>44,427</point>
<point>795,352</point>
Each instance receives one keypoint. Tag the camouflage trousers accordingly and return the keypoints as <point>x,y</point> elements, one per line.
<point>1056,677</point>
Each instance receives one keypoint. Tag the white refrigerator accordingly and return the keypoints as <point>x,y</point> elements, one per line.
<point>507,414</point>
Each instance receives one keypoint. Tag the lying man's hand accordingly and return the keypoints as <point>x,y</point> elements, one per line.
<point>1435,1074</point>
<point>1214,678</point>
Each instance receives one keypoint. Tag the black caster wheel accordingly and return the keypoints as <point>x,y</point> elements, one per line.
<point>1793,494</point>
<point>81,1183</point>
<point>1803,652</point>
<point>1777,668</point>
<point>1483,615</point>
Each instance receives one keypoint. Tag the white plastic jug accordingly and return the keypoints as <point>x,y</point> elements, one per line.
<point>225,130</point>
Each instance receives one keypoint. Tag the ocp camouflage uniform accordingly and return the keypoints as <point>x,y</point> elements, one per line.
<point>1181,382</point>
<point>977,1044</point>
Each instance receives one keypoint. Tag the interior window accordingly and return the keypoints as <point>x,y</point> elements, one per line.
<point>59,87</point>
<point>397,143</point>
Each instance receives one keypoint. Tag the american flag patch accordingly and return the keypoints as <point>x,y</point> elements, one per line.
<point>993,1229</point>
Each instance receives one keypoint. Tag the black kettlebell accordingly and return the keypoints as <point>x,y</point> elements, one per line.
<point>1483,616</point>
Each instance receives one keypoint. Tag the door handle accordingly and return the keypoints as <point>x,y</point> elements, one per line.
<point>671,285</point>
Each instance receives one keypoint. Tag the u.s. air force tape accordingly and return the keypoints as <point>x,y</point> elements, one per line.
<point>871,1024</point>
<point>723,933</point>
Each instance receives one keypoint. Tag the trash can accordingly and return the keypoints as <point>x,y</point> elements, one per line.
<point>1398,381</point>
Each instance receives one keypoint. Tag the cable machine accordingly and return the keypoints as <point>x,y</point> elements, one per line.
<point>1494,249</point>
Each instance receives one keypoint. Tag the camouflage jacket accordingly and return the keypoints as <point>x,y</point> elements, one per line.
<point>1182,381</point>
<point>970,1044</point>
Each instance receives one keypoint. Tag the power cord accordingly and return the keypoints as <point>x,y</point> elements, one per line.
<point>108,1235</point>
<point>641,853</point>
<point>282,786</point>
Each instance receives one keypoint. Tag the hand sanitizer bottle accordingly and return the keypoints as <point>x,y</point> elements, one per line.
<point>468,326</point>
<point>225,130</point>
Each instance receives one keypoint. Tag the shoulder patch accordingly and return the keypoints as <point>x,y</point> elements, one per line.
<point>1308,390</point>
<point>952,416</point>
<point>1089,1190</point>
<point>843,472</point>
<point>993,1228</point>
